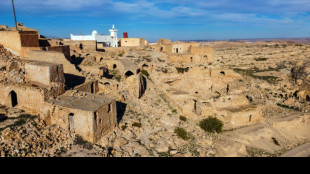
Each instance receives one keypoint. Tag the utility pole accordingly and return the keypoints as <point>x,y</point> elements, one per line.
<point>14,15</point>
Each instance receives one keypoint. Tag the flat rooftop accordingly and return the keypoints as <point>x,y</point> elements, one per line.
<point>82,101</point>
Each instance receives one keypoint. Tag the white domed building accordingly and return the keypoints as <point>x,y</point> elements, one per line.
<point>108,41</point>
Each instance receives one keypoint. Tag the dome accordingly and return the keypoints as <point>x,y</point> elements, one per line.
<point>94,33</point>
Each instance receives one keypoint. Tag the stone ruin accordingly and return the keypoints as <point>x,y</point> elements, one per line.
<point>43,80</point>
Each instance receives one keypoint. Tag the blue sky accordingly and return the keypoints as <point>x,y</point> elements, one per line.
<point>173,19</point>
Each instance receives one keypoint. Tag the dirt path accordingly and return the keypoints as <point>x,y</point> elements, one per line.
<point>301,151</point>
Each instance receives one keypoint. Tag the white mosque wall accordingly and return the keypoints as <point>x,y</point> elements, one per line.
<point>86,37</point>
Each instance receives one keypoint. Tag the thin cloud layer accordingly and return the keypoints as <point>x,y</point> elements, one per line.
<point>276,13</point>
<point>164,7</point>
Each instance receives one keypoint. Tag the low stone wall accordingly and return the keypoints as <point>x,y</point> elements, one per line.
<point>53,57</point>
<point>62,49</point>
<point>11,40</point>
<point>91,87</point>
<point>29,39</point>
<point>105,120</point>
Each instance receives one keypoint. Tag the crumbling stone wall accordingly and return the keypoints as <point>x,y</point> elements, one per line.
<point>83,121</point>
<point>53,57</point>
<point>186,58</point>
<point>29,38</point>
<point>105,120</point>
<point>163,41</point>
<point>11,40</point>
<point>29,98</point>
<point>206,53</point>
<point>183,47</point>
<point>20,42</point>
<point>91,87</point>
<point>62,49</point>
<point>44,73</point>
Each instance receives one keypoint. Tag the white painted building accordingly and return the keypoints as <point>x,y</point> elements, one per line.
<point>109,41</point>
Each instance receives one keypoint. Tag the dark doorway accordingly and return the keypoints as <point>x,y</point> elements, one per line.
<point>71,122</point>
<point>92,88</point>
<point>72,81</point>
<point>128,74</point>
<point>114,66</point>
<point>13,98</point>
<point>120,110</point>
<point>177,50</point>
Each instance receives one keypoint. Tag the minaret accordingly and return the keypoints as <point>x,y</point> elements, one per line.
<point>113,32</point>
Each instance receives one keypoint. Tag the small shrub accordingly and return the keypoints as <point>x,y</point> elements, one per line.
<point>164,154</point>
<point>275,141</point>
<point>211,125</point>
<point>182,70</point>
<point>182,118</point>
<point>80,141</point>
<point>124,127</point>
<point>139,125</point>
<point>118,78</point>
<point>261,59</point>
<point>289,107</point>
<point>181,133</point>
<point>250,73</point>
<point>144,72</point>
<point>120,55</point>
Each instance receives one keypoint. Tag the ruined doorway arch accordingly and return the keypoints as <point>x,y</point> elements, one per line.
<point>144,66</point>
<point>128,74</point>
<point>14,101</point>
<point>92,88</point>
<point>308,98</point>
<point>71,122</point>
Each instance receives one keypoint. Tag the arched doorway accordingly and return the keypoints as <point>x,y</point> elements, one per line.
<point>71,122</point>
<point>128,74</point>
<point>308,98</point>
<point>14,101</point>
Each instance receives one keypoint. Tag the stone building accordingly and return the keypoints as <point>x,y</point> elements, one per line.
<point>25,40</point>
<point>89,115</point>
<point>40,90</point>
<point>20,42</point>
<point>183,47</point>
<point>35,88</point>
<point>185,52</point>
<point>133,42</point>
